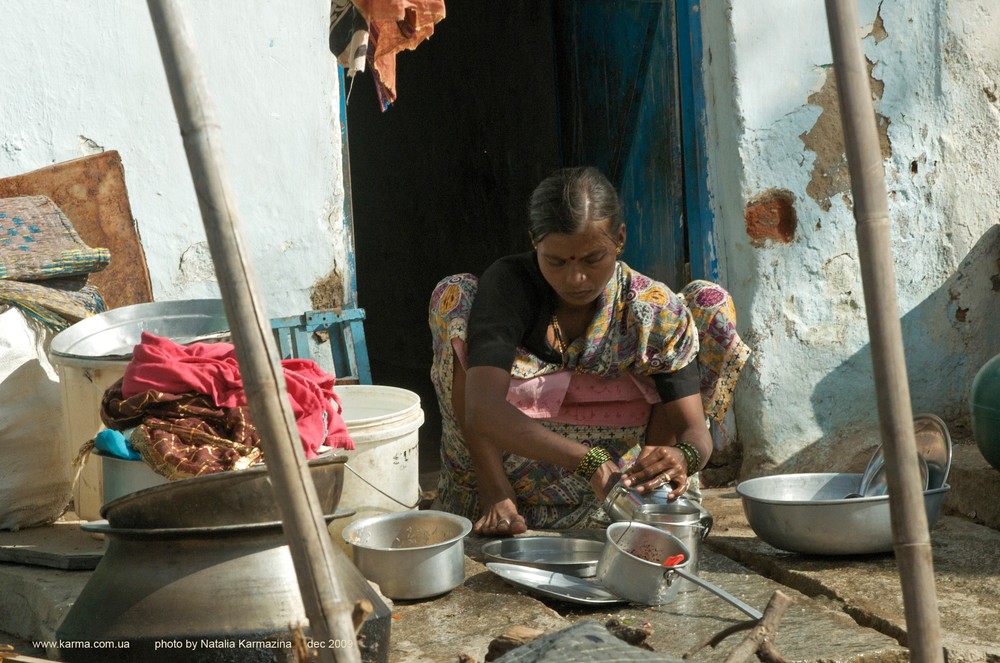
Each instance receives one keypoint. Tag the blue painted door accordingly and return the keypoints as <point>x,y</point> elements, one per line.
<point>619,108</point>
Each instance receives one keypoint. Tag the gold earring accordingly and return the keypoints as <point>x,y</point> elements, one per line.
<point>619,250</point>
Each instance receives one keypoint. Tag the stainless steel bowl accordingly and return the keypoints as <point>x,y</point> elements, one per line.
<point>237,497</point>
<point>410,554</point>
<point>807,513</point>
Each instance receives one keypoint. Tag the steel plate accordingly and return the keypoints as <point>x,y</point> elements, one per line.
<point>554,585</point>
<point>569,555</point>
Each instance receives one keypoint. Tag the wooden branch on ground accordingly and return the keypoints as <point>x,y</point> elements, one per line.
<point>763,633</point>
<point>759,640</point>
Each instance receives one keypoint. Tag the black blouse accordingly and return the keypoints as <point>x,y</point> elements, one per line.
<point>513,307</point>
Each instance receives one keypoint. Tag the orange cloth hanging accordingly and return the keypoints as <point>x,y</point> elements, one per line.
<point>393,26</point>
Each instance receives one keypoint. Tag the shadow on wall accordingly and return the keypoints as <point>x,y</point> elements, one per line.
<point>947,338</point>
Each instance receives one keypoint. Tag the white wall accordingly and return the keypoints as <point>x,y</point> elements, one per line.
<point>81,77</point>
<point>808,397</point>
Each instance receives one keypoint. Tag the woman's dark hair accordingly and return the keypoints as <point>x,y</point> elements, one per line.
<point>569,200</point>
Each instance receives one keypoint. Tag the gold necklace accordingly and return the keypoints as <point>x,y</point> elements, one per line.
<point>559,337</point>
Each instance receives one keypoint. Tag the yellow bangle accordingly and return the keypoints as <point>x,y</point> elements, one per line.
<point>591,462</point>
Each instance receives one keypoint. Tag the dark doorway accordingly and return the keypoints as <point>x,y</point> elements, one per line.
<point>486,108</point>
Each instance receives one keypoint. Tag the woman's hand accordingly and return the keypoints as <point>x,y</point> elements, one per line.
<point>656,467</point>
<point>660,463</point>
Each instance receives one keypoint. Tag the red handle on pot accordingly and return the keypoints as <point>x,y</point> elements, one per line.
<point>673,560</point>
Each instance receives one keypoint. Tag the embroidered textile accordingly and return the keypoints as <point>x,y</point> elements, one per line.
<point>183,435</point>
<point>394,26</point>
<point>160,365</point>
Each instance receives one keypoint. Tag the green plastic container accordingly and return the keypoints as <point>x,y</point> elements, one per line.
<point>984,410</point>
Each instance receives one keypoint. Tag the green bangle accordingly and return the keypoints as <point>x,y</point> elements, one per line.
<point>691,456</point>
<point>590,463</point>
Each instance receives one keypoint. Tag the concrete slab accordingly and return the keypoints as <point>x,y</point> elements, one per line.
<point>810,630</point>
<point>465,620</point>
<point>868,588</point>
<point>34,599</point>
<point>974,486</point>
<point>61,546</point>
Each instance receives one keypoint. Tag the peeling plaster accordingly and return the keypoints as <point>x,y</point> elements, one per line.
<point>89,146</point>
<point>830,175</point>
<point>771,216</point>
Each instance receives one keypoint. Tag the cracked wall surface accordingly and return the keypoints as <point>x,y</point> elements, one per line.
<point>808,396</point>
<point>825,139</point>
<point>274,87</point>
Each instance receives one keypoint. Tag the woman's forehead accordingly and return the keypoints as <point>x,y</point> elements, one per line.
<point>592,239</point>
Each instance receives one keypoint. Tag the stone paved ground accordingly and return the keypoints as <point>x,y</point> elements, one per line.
<point>845,609</point>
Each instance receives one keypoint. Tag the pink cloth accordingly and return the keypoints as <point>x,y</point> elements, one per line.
<point>569,397</point>
<point>159,364</point>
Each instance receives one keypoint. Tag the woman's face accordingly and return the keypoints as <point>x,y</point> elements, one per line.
<point>579,266</point>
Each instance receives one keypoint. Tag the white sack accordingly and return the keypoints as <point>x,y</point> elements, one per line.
<point>36,474</point>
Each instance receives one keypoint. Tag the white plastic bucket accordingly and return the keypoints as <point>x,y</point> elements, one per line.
<point>381,474</point>
<point>92,354</point>
<point>123,477</point>
<point>82,383</point>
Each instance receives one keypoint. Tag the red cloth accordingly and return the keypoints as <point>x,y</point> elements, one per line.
<point>159,364</point>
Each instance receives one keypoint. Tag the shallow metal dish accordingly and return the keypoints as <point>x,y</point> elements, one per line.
<point>238,497</point>
<point>807,513</point>
<point>934,446</point>
<point>168,533</point>
<point>875,480</point>
<point>554,585</point>
<point>570,555</point>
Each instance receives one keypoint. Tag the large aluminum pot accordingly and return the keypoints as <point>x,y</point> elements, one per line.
<point>112,335</point>
<point>631,565</point>
<point>688,521</point>
<point>410,554</point>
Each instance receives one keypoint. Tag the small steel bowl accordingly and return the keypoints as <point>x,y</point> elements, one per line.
<point>410,554</point>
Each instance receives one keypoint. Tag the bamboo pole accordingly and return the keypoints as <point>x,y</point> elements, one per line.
<point>328,610</point>
<point>910,534</point>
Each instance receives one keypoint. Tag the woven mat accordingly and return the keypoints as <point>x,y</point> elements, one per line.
<point>37,241</point>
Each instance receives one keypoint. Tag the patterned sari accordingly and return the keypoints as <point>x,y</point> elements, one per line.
<point>640,328</point>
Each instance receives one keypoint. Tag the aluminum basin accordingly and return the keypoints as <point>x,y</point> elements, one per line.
<point>236,497</point>
<point>807,513</point>
<point>113,334</point>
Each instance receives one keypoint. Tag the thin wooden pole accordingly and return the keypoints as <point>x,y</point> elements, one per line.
<point>910,534</point>
<point>309,541</point>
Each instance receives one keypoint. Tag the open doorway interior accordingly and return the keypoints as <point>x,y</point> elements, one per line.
<point>486,108</point>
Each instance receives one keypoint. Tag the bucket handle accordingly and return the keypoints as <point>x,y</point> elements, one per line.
<point>405,506</point>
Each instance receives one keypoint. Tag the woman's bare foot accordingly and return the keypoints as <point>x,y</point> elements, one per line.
<point>501,519</point>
